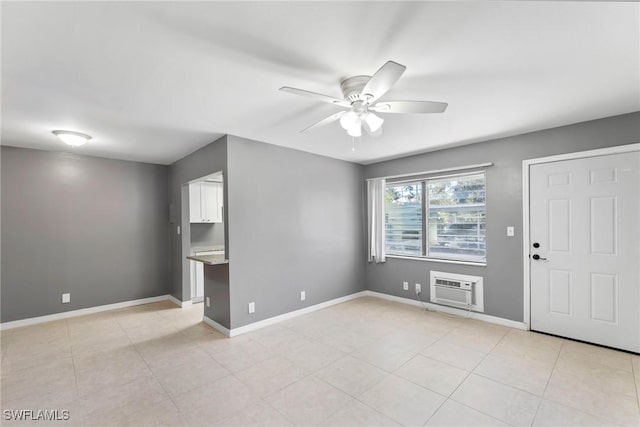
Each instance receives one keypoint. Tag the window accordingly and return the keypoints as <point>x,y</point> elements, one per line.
<point>449,211</point>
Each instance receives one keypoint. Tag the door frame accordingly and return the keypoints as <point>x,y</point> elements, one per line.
<point>526,318</point>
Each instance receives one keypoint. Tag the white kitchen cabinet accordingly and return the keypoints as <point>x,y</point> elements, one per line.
<point>205,202</point>
<point>197,281</point>
<point>212,201</point>
<point>195,207</point>
<point>197,271</point>
<point>197,276</point>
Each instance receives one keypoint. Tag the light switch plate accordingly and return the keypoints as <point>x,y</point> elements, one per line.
<point>252,307</point>
<point>303,295</point>
<point>66,298</point>
<point>208,301</point>
<point>511,231</point>
<point>405,286</point>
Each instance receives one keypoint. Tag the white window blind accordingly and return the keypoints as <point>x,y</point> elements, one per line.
<point>441,218</point>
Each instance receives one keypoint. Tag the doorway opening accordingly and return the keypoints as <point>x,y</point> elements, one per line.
<point>206,226</point>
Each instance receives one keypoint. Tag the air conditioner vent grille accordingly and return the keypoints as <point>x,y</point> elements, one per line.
<point>457,290</point>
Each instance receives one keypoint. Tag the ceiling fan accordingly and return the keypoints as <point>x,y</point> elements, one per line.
<point>361,99</point>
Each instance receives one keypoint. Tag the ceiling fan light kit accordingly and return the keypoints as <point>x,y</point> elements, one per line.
<point>352,122</point>
<point>374,122</point>
<point>360,98</point>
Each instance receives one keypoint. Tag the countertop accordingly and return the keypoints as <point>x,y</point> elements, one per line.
<point>206,248</point>
<point>209,259</point>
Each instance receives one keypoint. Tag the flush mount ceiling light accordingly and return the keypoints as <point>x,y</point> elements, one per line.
<point>361,99</point>
<point>74,139</point>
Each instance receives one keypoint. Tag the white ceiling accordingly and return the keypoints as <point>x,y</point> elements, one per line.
<point>154,81</point>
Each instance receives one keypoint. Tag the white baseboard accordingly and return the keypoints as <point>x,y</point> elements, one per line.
<point>81,312</point>
<point>174,300</point>
<point>217,326</point>
<point>286,316</point>
<point>179,303</point>
<point>262,323</point>
<point>277,319</point>
<point>280,318</point>
<point>452,310</point>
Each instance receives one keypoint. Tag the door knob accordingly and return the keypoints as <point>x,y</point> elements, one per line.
<point>536,245</point>
<point>538,257</point>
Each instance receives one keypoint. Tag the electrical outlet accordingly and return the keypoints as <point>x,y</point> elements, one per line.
<point>252,307</point>
<point>66,298</point>
<point>511,231</point>
<point>405,286</point>
<point>208,301</point>
<point>303,295</point>
<point>178,230</point>
<point>418,288</point>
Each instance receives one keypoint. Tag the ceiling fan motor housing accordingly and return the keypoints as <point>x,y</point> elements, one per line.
<point>352,88</point>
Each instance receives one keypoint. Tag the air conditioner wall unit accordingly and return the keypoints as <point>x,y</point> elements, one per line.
<point>457,290</point>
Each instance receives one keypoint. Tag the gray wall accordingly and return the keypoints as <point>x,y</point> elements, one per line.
<point>94,227</point>
<point>98,228</point>
<point>204,235</point>
<point>205,161</point>
<point>295,223</point>
<point>503,281</point>
<point>216,287</point>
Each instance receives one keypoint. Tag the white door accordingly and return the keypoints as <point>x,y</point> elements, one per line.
<point>585,249</point>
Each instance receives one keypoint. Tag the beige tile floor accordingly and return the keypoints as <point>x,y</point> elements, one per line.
<point>367,362</point>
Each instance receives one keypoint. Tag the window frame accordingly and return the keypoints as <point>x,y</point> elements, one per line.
<point>424,182</point>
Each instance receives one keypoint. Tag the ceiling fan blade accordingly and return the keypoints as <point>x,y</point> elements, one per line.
<point>409,107</point>
<point>382,80</point>
<point>332,118</point>
<point>316,96</point>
